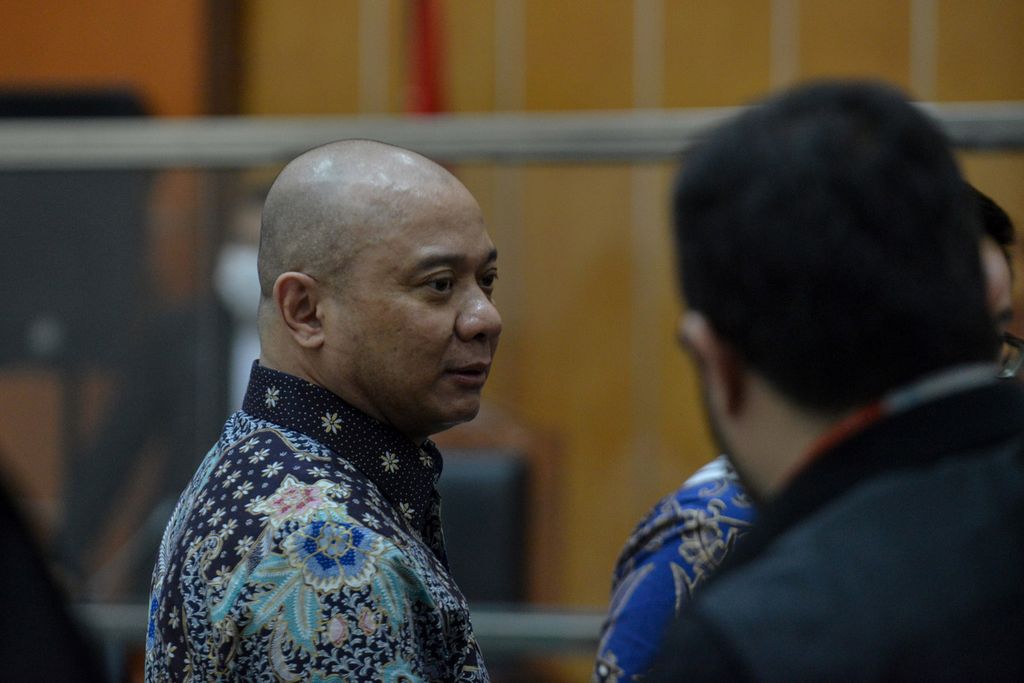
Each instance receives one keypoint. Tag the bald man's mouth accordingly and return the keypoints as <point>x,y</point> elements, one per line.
<point>470,375</point>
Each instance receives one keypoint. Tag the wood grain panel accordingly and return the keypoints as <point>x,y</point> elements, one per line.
<point>980,50</point>
<point>469,55</point>
<point>870,38</point>
<point>684,442</point>
<point>716,53</point>
<point>398,60</point>
<point>300,57</point>
<point>669,438</point>
<point>578,55</point>
<point>155,47</point>
<point>575,351</point>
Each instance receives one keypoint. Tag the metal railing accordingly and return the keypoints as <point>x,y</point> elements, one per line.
<point>238,142</point>
<point>502,631</point>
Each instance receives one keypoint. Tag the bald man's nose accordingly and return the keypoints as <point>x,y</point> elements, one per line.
<point>479,319</point>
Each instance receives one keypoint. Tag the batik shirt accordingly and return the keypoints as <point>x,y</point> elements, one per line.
<point>308,547</point>
<point>669,554</point>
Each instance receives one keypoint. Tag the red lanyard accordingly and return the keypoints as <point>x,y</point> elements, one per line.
<point>839,432</point>
<point>929,388</point>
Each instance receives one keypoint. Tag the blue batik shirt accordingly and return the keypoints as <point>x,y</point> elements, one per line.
<point>308,547</point>
<point>669,554</point>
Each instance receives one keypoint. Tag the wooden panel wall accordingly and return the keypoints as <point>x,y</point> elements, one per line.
<point>698,70</point>
<point>276,49</point>
<point>586,287</point>
<point>839,38</point>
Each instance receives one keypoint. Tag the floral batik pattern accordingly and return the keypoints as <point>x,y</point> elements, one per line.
<point>671,552</point>
<point>307,548</point>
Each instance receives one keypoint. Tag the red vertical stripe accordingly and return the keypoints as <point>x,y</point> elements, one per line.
<point>425,86</point>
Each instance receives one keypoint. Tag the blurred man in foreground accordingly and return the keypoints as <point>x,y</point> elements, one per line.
<point>683,540</point>
<point>836,308</point>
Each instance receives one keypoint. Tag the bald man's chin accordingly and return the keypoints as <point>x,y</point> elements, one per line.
<point>456,418</point>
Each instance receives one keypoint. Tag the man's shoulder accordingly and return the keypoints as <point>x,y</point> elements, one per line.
<point>911,518</point>
<point>711,502</point>
<point>247,434</point>
<point>883,569</point>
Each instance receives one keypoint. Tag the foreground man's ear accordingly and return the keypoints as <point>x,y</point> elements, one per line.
<point>722,370</point>
<point>296,296</point>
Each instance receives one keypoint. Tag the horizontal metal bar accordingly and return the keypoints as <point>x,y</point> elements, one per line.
<point>501,631</point>
<point>536,631</point>
<point>241,142</point>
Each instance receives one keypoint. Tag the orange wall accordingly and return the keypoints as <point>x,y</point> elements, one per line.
<point>157,47</point>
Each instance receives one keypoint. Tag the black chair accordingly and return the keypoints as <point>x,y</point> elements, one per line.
<point>483,511</point>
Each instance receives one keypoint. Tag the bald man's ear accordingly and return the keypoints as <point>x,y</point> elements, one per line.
<point>722,370</point>
<point>297,297</point>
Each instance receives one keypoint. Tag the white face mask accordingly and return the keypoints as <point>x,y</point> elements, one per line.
<point>236,280</point>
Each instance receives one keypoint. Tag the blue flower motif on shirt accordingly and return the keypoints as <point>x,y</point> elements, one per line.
<point>154,606</point>
<point>334,553</point>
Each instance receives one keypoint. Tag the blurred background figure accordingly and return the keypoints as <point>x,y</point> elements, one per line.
<point>238,288</point>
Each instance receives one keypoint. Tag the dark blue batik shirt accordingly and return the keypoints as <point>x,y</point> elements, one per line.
<point>308,547</point>
<point>669,554</point>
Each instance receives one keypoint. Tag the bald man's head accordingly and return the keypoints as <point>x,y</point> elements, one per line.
<point>377,274</point>
<point>332,201</point>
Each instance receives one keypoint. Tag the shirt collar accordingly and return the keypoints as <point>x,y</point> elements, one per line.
<point>403,472</point>
<point>931,387</point>
<point>957,422</point>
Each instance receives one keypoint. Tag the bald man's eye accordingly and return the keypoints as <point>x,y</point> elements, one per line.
<point>441,285</point>
<point>488,280</point>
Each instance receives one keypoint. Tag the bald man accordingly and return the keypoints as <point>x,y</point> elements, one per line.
<point>308,545</point>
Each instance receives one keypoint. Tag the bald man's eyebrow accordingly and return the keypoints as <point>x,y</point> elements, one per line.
<point>451,259</point>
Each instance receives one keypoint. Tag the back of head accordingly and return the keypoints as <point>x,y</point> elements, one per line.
<point>827,235</point>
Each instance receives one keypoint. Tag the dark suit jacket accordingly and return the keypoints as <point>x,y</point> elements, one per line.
<point>898,555</point>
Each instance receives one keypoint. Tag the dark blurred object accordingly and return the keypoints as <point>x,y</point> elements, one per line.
<point>74,269</point>
<point>39,640</point>
<point>73,262</point>
<point>83,305</point>
<point>48,103</point>
<point>483,511</point>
